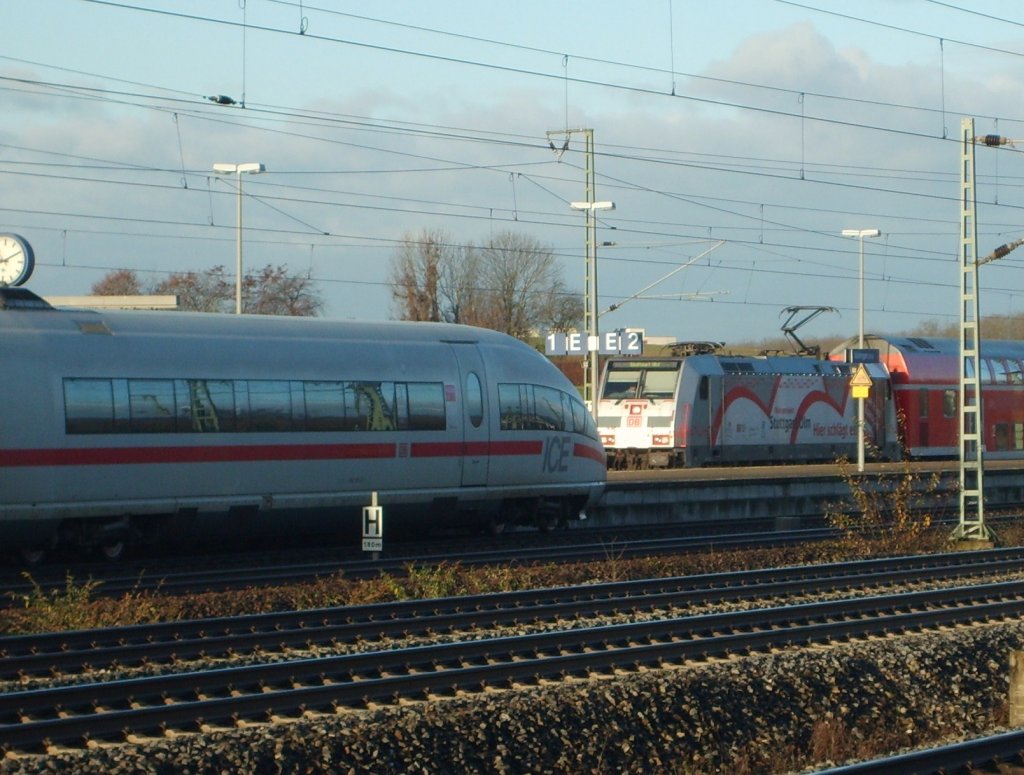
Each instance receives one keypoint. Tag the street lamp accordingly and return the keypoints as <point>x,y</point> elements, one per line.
<point>591,313</point>
<point>254,168</point>
<point>861,234</point>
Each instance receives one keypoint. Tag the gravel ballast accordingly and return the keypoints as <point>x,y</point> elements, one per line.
<point>760,713</point>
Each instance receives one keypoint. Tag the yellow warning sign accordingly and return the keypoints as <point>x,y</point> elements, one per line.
<point>860,382</point>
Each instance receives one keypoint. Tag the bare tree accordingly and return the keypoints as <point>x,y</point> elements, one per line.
<point>510,284</point>
<point>415,271</point>
<point>523,286</point>
<point>272,291</point>
<point>122,282</point>
<point>209,291</point>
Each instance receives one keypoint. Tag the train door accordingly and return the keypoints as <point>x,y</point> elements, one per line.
<point>476,433</point>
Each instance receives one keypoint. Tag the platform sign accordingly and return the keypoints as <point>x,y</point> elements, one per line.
<point>860,382</point>
<point>619,342</point>
<point>862,355</point>
<point>373,526</point>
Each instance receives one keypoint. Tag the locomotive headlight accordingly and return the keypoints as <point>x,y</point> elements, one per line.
<point>608,439</point>
<point>661,440</point>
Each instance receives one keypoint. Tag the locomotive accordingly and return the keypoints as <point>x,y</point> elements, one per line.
<point>709,409</point>
<point>119,425</point>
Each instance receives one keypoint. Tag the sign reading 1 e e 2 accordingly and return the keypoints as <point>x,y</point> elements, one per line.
<point>609,343</point>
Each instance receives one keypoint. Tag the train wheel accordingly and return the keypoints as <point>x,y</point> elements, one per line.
<point>496,525</point>
<point>32,555</point>
<point>113,550</point>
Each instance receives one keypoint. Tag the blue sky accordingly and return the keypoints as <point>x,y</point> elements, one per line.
<point>769,125</point>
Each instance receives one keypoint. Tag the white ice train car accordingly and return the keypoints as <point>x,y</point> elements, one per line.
<point>123,424</point>
<point>709,409</point>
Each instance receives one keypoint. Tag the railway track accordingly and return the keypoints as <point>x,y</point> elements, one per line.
<point>1001,754</point>
<point>55,654</point>
<point>129,708</point>
<point>624,544</point>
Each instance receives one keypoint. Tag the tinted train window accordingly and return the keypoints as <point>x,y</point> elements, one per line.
<point>549,408</point>
<point>426,406</point>
<point>535,407</point>
<point>621,381</point>
<point>1013,371</point>
<point>374,406</point>
<point>151,405</point>
<point>325,406</point>
<point>269,407</point>
<point>998,371</point>
<point>512,407</point>
<point>205,405</point>
<point>88,406</point>
<point>474,400</point>
<point>949,403</point>
<point>210,406</point>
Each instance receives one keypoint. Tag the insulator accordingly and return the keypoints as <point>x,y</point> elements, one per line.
<point>994,140</point>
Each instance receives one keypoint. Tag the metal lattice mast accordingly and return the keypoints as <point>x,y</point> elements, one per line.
<point>590,278</point>
<point>972,472</point>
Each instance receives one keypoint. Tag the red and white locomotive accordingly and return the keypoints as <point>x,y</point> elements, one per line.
<point>708,409</point>
<point>115,424</point>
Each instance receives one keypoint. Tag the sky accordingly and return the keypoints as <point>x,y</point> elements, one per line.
<point>736,140</point>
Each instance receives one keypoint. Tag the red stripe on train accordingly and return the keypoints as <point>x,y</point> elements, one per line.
<point>585,450</point>
<point>240,453</point>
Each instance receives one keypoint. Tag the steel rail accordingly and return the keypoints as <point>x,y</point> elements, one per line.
<point>54,653</point>
<point>218,579</point>
<point>954,757</point>
<point>30,720</point>
<point>57,653</point>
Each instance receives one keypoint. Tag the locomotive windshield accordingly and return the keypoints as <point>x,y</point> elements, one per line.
<point>641,379</point>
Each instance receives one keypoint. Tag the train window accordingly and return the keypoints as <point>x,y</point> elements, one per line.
<point>401,407</point>
<point>205,405</point>
<point>949,403</point>
<point>1002,436</point>
<point>88,406</point>
<point>426,406</point>
<point>1018,435</point>
<point>998,371</point>
<point>702,389</point>
<point>373,405</point>
<point>549,408</point>
<point>325,406</point>
<point>922,403</point>
<point>270,406</point>
<point>151,404</point>
<point>515,405</point>
<point>474,399</point>
<point>1013,371</point>
<point>621,381</point>
<point>659,383</point>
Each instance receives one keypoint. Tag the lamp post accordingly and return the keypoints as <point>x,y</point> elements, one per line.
<point>253,168</point>
<point>591,313</point>
<point>860,234</point>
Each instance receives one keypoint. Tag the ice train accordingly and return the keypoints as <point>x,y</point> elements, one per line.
<point>119,425</point>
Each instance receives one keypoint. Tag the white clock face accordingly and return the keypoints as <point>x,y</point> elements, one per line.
<point>15,260</point>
